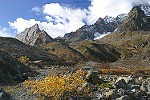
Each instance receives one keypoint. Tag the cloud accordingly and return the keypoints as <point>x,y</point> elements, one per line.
<point>61,19</point>
<point>36,9</point>
<point>4,32</point>
<point>101,8</point>
<point>20,24</point>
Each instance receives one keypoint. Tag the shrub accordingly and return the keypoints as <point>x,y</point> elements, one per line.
<point>23,59</point>
<point>57,87</point>
<point>104,71</point>
<point>105,85</point>
<point>120,71</point>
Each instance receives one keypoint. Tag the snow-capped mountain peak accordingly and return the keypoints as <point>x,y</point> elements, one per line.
<point>109,19</point>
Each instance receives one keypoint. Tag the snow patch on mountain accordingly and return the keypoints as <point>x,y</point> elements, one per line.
<point>121,17</point>
<point>145,8</point>
<point>109,19</point>
<point>99,36</point>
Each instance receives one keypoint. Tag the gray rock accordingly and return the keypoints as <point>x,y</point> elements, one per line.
<point>121,91</point>
<point>144,87</point>
<point>79,98</point>
<point>34,36</point>
<point>93,78</point>
<point>111,95</point>
<point>128,80</point>
<point>125,97</point>
<point>121,84</point>
<point>87,85</point>
<point>141,99</point>
<point>87,69</point>
<point>141,94</point>
<point>99,96</point>
<point>73,98</point>
<point>4,95</point>
<point>148,86</point>
<point>136,87</point>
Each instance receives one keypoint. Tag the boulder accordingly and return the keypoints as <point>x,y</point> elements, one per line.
<point>128,80</point>
<point>148,86</point>
<point>125,97</point>
<point>144,87</point>
<point>88,85</point>
<point>4,95</point>
<point>121,84</point>
<point>93,78</point>
<point>111,95</point>
<point>88,68</point>
<point>141,94</point>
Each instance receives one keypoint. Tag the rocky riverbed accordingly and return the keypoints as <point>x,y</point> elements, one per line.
<point>103,87</point>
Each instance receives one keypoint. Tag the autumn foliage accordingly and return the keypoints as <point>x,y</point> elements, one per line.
<point>23,59</point>
<point>117,71</point>
<point>57,87</point>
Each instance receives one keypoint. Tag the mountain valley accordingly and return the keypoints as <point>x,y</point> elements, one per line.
<point>112,67</point>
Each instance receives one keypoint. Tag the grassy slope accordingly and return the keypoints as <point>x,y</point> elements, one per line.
<point>97,52</point>
<point>63,51</point>
<point>134,47</point>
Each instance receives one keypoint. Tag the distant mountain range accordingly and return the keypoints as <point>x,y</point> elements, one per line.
<point>132,39</point>
<point>128,35</point>
<point>102,27</point>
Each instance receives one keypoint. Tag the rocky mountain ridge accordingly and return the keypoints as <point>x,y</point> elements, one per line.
<point>101,26</point>
<point>146,8</point>
<point>135,21</point>
<point>34,36</point>
<point>128,27</point>
<point>90,32</point>
<point>132,39</point>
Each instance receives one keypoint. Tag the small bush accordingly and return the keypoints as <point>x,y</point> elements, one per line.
<point>105,85</point>
<point>120,72</point>
<point>104,71</point>
<point>57,87</point>
<point>23,59</point>
<point>116,71</point>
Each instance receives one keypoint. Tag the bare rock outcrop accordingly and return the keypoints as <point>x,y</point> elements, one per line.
<point>34,36</point>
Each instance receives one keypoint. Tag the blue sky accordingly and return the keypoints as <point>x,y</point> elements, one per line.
<point>12,9</point>
<point>57,17</point>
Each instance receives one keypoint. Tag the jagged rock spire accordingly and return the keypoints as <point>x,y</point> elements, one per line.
<point>34,36</point>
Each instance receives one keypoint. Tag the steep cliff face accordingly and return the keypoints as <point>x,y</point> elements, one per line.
<point>34,36</point>
<point>135,21</point>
